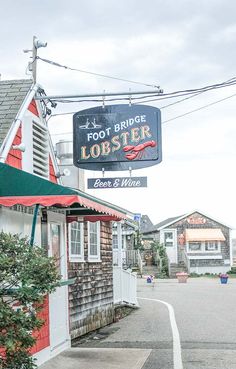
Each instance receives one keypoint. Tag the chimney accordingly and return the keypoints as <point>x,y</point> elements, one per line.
<point>64,152</point>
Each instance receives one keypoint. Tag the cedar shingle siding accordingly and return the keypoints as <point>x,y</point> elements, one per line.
<point>210,223</point>
<point>91,296</point>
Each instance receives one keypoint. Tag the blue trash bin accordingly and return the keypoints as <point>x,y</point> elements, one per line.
<point>149,280</point>
<point>223,279</point>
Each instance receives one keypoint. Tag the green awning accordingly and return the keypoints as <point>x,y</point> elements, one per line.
<point>19,187</point>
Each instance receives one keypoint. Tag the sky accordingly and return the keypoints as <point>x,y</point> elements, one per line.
<point>177,44</point>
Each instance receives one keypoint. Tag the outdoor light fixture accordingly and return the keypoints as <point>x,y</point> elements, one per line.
<point>21,147</point>
<point>66,173</point>
<point>38,43</point>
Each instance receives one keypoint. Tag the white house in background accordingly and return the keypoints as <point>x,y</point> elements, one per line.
<point>194,242</point>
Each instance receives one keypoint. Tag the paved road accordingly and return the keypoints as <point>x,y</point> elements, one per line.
<point>205,313</point>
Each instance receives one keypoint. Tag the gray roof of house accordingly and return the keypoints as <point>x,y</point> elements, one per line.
<point>145,223</point>
<point>12,95</point>
<point>155,227</point>
<point>167,221</point>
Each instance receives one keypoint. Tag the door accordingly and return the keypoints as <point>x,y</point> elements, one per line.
<point>58,301</point>
<point>168,237</point>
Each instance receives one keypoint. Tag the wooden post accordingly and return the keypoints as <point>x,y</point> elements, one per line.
<point>119,241</point>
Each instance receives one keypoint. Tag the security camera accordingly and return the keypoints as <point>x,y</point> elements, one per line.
<point>38,43</point>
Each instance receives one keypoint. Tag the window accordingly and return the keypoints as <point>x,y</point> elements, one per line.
<point>168,239</point>
<point>211,246</point>
<point>195,246</point>
<point>206,246</point>
<point>76,242</point>
<point>115,241</point>
<point>94,241</point>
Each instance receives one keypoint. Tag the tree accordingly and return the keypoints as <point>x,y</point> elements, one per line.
<point>138,243</point>
<point>27,275</point>
<point>160,249</point>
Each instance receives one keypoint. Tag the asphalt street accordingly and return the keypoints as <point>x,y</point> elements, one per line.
<point>205,314</point>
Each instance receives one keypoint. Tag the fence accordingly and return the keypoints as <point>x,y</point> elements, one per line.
<point>124,286</point>
<point>130,258</point>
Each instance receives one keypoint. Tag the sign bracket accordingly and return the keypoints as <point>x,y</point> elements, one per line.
<point>130,171</point>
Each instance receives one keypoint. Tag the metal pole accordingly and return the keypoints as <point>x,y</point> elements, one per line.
<point>34,224</point>
<point>34,62</point>
<point>58,97</point>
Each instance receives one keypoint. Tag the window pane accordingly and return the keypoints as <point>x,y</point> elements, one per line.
<point>55,237</point>
<point>115,241</point>
<point>211,246</point>
<point>93,239</point>
<point>168,239</point>
<point>195,246</point>
<point>168,235</point>
<point>75,233</point>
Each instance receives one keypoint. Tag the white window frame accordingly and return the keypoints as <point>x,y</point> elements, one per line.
<point>94,258</point>
<point>169,240</point>
<point>216,251</point>
<point>116,244</point>
<point>203,248</point>
<point>76,258</point>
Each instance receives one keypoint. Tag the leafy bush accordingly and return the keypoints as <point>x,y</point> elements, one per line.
<point>161,250</point>
<point>26,276</point>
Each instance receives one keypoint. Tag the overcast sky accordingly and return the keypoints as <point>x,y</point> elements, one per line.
<point>177,44</point>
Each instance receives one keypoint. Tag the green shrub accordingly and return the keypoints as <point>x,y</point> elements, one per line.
<point>161,250</point>
<point>26,276</point>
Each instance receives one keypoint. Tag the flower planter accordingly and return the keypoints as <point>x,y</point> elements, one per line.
<point>182,277</point>
<point>223,278</point>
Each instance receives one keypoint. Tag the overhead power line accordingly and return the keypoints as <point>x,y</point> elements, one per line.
<point>197,109</point>
<point>96,74</point>
<point>147,94</point>
<point>163,122</point>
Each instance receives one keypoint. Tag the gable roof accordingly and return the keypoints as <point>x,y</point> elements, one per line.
<point>12,95</point>
<point>153,228</point>
<point>167,222</point>
<point>145,223</point>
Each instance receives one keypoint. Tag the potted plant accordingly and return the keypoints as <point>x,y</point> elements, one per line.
<point>223,278</point>
<point>182,277</point>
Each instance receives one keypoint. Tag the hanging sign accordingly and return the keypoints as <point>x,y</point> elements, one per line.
<point>117,182</point>
<point>117,137</point>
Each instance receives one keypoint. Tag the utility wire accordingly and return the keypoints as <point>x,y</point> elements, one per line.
<point>96,74</point>
<point>171,95</point>
<point>200,108</point>
<point>165,121</point>
<point>227,83</point>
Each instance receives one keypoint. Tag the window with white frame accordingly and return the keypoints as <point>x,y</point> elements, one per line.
<point>115,241</point>
<point>94,241</point>
<point>195,246</point>
<point>168,239</point>
<point>212,246</point>
<point>205,246</point>
<point>76,241</point>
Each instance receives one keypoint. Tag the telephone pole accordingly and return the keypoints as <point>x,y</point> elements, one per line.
<point>34,59</point>
<point>33,65</point>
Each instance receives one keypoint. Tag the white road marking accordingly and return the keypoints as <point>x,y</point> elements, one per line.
<point>177,356</point>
